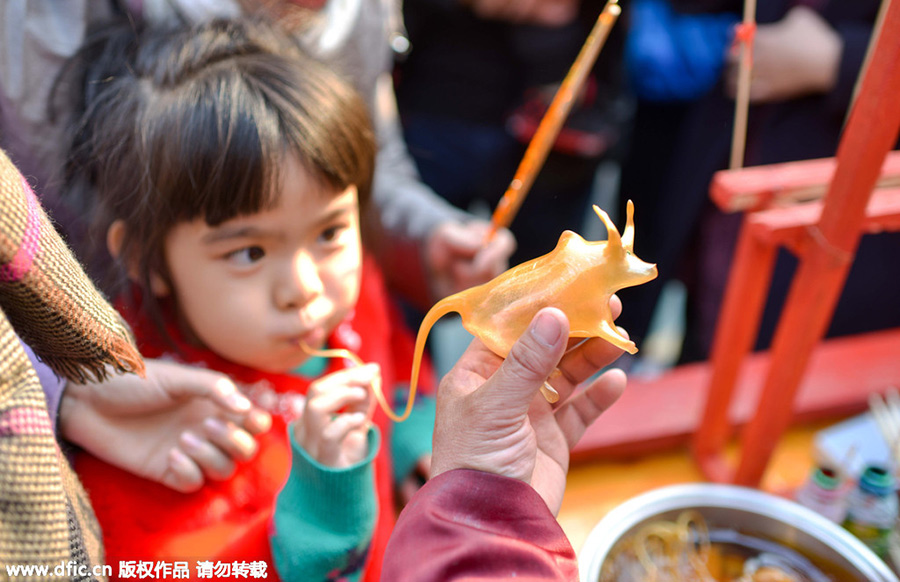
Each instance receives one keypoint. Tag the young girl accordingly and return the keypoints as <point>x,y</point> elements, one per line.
<point>230,170</point>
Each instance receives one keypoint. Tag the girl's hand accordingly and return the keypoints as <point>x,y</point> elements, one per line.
<point>334,425</point>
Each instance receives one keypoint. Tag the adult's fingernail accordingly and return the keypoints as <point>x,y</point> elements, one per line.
<point>239,402</point>
<point>546,329</point>
<point>191,440</point>
<point>215,426</point>
<point>261,420</point>
<point>179,461</point>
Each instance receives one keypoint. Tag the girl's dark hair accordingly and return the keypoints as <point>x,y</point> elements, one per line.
<point>193,122</point>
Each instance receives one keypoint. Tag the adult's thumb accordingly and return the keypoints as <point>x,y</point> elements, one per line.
<point>531,360</point>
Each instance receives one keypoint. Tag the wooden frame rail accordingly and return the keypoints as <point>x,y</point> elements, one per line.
<point>825,238</point>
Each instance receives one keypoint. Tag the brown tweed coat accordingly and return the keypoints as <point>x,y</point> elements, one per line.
<point>45,298</point>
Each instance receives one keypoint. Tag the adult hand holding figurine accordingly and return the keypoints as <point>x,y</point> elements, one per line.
<point>501,454</point>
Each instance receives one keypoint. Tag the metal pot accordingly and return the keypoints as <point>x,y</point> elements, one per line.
<point>747,510</point>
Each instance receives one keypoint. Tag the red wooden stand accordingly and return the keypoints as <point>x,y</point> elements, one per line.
<point>824,235</point>
<point>663,413</point>
<point>801,378</point>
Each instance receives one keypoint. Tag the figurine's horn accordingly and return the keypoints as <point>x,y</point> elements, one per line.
<point>628,233</point>
<point>613,238</point>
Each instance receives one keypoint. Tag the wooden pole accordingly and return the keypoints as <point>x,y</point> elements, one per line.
<point>876,31</point>
<point>742,99</point>
<point>871,132</point>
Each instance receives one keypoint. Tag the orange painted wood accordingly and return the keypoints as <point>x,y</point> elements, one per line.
<point>801,378</point>
<point>738,325</point>
<point>871,132</point>
<point>736,331</point>
<point>790,226</point>
<point>759,187</point>
<point>744,301</point>
<point>661,413</point>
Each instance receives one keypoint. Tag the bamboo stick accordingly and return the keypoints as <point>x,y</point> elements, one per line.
<point>742,99</point>
<point>886,412</point>
<point>876,30</point>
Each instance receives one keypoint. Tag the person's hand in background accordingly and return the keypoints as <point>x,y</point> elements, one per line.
<point>180,425</point>
<point>458,258</point>
<point>539,12</point>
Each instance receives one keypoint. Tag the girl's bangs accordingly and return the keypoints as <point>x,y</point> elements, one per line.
<point>224,159</point>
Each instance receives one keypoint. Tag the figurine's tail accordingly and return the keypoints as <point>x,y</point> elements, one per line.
<point>439,310</point>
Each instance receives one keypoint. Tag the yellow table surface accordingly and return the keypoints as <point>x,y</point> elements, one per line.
<point>594,488</point>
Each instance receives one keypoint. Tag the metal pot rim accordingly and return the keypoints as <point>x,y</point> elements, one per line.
<point>713,495</point>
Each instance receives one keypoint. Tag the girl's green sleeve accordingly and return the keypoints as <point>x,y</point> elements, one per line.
<point>324,518</point>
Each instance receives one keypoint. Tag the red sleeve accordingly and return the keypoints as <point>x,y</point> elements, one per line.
<point>469,525</point>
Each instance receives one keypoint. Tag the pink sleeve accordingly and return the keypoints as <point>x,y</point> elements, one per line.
<point>469,525</point>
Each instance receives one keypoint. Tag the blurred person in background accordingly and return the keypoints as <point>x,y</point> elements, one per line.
<point>428,248</point>
<point>806,60</point>
<point>473,89</point>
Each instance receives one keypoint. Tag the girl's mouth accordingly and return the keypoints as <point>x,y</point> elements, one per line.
<point>310,340</point>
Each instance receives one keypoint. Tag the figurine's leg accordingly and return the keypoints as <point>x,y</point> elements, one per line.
<point>609,332</point>
<point>549,393</point>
